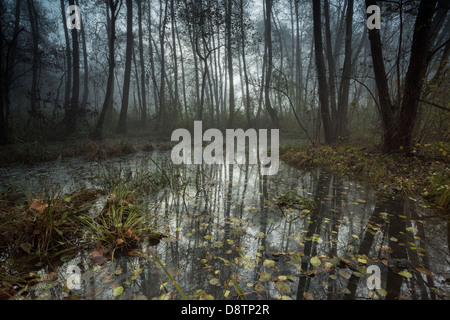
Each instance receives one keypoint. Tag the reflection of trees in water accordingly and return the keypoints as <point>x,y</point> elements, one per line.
<point>235,203</point>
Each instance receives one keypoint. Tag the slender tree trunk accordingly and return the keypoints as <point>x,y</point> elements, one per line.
<point>35,62</point>
<point>69,62</point>
<point>346,74</point>
<point>162,36</point>
<point>320,65</point>
<point>228,17</point>
<point>71,122</point>
<point>298,60</point>
<point>268,42</point>
<point>152,61</point>
<point>84,99</point>
<point>122,126</point>
<point>113,6</point>
<point>142,96</point>
<point>6,73</point>
<point>175,57</point>
<point>183,75</point>
<point>331,69</point>
<point>244,66</point>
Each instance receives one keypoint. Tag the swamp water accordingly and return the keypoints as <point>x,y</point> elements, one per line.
<point>234,234</point>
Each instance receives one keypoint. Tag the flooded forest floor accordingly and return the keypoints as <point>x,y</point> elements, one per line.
<point>118,220</point>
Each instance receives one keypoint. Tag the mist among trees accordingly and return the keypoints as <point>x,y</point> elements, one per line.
<point>310,68</point>
<point>352,95</point>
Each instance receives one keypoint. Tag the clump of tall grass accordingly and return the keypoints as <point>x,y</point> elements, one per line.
<point>122,224</point>
<point>141,180</point>
<point>45,226</point>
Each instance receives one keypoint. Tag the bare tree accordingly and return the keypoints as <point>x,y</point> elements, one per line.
<point>72,114</point>
<point>399,118</point>
<point>122,126</point>
<point>269,64</point>
<point>113,9</point>
<point>320,65</point>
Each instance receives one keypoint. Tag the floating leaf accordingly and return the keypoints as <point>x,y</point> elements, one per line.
<point>260,287</point>
<point>282,287</point>
<point>355,236</point>
<point>346,291</point>
<point>315,261</point>
<point>118,270</point>
<point>118,291</point>
<point>269,263</point>
<point>405,274</point>
<point>264,276</point>
<point>382,292</point>
<point>372,295</point>
<point>308,296</point>
<point>215,282</point>
<point>260,235</point>
<point>344,274</point>
<point>361,260</point>
<point>218,244</point>
<point>411,229</point>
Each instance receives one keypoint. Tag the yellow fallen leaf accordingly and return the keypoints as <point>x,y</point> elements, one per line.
<point>308,296</point>
<point>405,274</point>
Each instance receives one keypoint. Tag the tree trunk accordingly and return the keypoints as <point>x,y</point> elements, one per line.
<point>320,65</point>
<point>398,126</point>
<point>268,42</point>
<point>162,86</point>
<point>142,63</point>
<point>298,60</point>
<point>71,121</point>
<point>414,79</point>
<point>35,62</point>
<point>152,61</point>
<point>244,66</point>
<point>228,28</point>
<point>175,57</point>
<point>6,73</point>
<point>331,69</point>
<point>84,99</point>
<point>69,63</point>
<point>342,123</point>
<point>122,127</point>
<point>113,6</point>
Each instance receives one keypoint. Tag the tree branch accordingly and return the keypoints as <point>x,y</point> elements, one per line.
<point>435,105</point>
